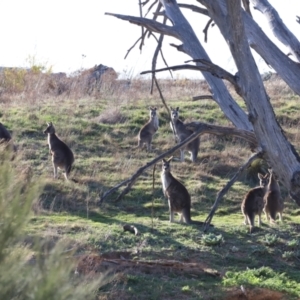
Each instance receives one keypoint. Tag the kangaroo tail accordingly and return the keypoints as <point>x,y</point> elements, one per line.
<point>68,169</point>
<point>250,217</point>
<point>272,216</point>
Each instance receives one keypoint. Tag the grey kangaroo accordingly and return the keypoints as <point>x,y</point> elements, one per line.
<point>62,155</point>
<point>179,199</point>
<point>253,202</point>
<point>148,130</point>
<point>4,134</point>
<point>273,200</point>
<point>181,133</point>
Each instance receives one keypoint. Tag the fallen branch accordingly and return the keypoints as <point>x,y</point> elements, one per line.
<point>225,189</point>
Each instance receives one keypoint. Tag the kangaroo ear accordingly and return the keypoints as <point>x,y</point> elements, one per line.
<point>170,158</point>
<point>260,176</point>
<point>177,108</point>
<point>163,160</point>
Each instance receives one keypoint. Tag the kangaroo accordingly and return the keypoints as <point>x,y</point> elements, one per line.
<point>179,199</point>
<point>62,155</point>
<point>273,200</point>
<point>4,134</point>
<point>181,133</point>
<point>147,131</point>
<point>7,142</point>
<point>253,202</point>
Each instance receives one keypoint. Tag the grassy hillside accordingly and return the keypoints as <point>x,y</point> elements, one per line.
<point>164,261</point>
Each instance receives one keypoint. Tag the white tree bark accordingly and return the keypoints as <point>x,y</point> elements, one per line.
<point>280,31</point>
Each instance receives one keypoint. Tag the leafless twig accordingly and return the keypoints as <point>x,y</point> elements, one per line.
<point>164,103</point>
<point>205,30</point>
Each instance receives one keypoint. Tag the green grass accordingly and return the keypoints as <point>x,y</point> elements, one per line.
<point>104,156</point>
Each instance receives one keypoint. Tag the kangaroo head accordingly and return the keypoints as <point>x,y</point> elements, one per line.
<point>50,128</point>
<point>263,179</point>
<point>166,164</point>
<point>152,112</point>
<point>273,184</point>
<point>174,113</point>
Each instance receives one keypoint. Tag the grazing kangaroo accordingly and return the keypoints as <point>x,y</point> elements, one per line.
<point>273,200</point>
<point>181,133</point>
<point>253,202</point>
<point>179,199</point>
<point>147,131</point>
<point>62,155</point>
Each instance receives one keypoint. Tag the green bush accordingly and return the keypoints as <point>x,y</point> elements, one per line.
<point>48,276</point>
<point>263,277</point>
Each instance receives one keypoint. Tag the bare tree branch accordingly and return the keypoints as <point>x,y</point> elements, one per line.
<point>158,50</point>
<point>205,30</point>
<point>165,104</point>
<point>149,24</point>
<point>279,29</point>
<point>229,184</point>
<point>140,38</point>
<point>203,97</point>
<point>195,8</point>
<point>246,135</point>
<point>141,15</point>
<point>205,67</point>
<point>150,7</point>
<point>159,6</point>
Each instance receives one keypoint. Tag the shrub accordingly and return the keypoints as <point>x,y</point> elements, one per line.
<point>48,276</point>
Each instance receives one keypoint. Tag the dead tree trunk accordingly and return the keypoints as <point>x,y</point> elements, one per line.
<point>280,154</point>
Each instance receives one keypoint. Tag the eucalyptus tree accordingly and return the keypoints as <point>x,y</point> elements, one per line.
<point>241,33</point>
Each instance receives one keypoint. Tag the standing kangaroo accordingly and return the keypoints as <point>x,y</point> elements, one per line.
<point>179,199</point>
<point>181,133</point>
<point>273,200</point>
<point>148,130</point>
<point>62,155</point>
<point>253,202</point>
